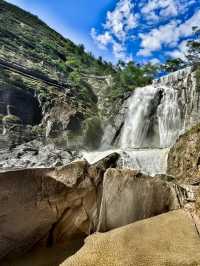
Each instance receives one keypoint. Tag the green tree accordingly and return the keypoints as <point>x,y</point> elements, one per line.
<point>173,64</point>
<point>128,76</point>
<point>193,54</point>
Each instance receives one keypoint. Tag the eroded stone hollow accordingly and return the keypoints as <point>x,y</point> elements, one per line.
<point>20,103</point>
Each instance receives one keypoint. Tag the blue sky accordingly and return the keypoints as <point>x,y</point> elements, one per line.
<point>140,30</point>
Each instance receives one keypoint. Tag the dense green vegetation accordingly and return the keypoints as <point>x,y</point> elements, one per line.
<point>173,64</point>
<point>29,41</point>
<point>130,76</point>
<point>26,40</point>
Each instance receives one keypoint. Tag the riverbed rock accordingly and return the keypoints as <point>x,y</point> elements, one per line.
<point>168,239</point>
<point>35,154</point>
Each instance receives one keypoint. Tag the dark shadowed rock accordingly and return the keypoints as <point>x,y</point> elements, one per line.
<point>24,104</point>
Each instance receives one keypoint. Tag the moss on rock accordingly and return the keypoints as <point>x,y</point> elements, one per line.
<point>184,157</point>
<point>1,118</point>
<point>93,132</point>
<point>11,119</point>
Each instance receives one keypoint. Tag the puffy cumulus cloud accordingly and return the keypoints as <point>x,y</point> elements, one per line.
<point>119,52</point>
<point>122,19</point>
<point>102,39</point>
<point>116,28</point>
<point>118,48</point>
<point>155,9</point>
<point>154,40</point>
<point>185,29</point>
<point>155,61</point>
<point>164,9</point>
<point>180,52</point>
<point>147,26</point>
<point>167,35</point>
<point>159,9</point>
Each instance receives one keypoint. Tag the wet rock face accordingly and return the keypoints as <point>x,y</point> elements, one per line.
<point>23,105</point>
<point>114,127</point>
<point>184,158</point>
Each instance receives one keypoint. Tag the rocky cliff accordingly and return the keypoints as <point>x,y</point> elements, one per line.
<point>183,160</point>
<point>50,88</point>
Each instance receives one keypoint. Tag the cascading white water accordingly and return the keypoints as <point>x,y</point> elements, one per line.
<point>157,115</point>
<point>138,118</point>
<point>149,161</point>
<point>169,117</point>
<point>176,111</point>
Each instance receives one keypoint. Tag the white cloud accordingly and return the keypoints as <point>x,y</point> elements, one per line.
<point>154,40</point>
<point>167,35</point>
<point>154,61</point>
<point>118,49</point>
<point>122,19</point>
<point>116,28</point>
<point>158,24</point>
<point>102,39</point>
<point>180,52</point>
<point>156,9</point>
<point>162,9</point>
<point>119,52</point>
<point>185,29</point>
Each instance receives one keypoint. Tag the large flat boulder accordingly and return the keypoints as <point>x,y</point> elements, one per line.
<point>168,239</point>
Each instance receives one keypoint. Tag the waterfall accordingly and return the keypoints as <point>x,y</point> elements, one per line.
<point>138,119</point>
<point>163,119</point>
<point>169,117</point>
<point>157,114</point>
